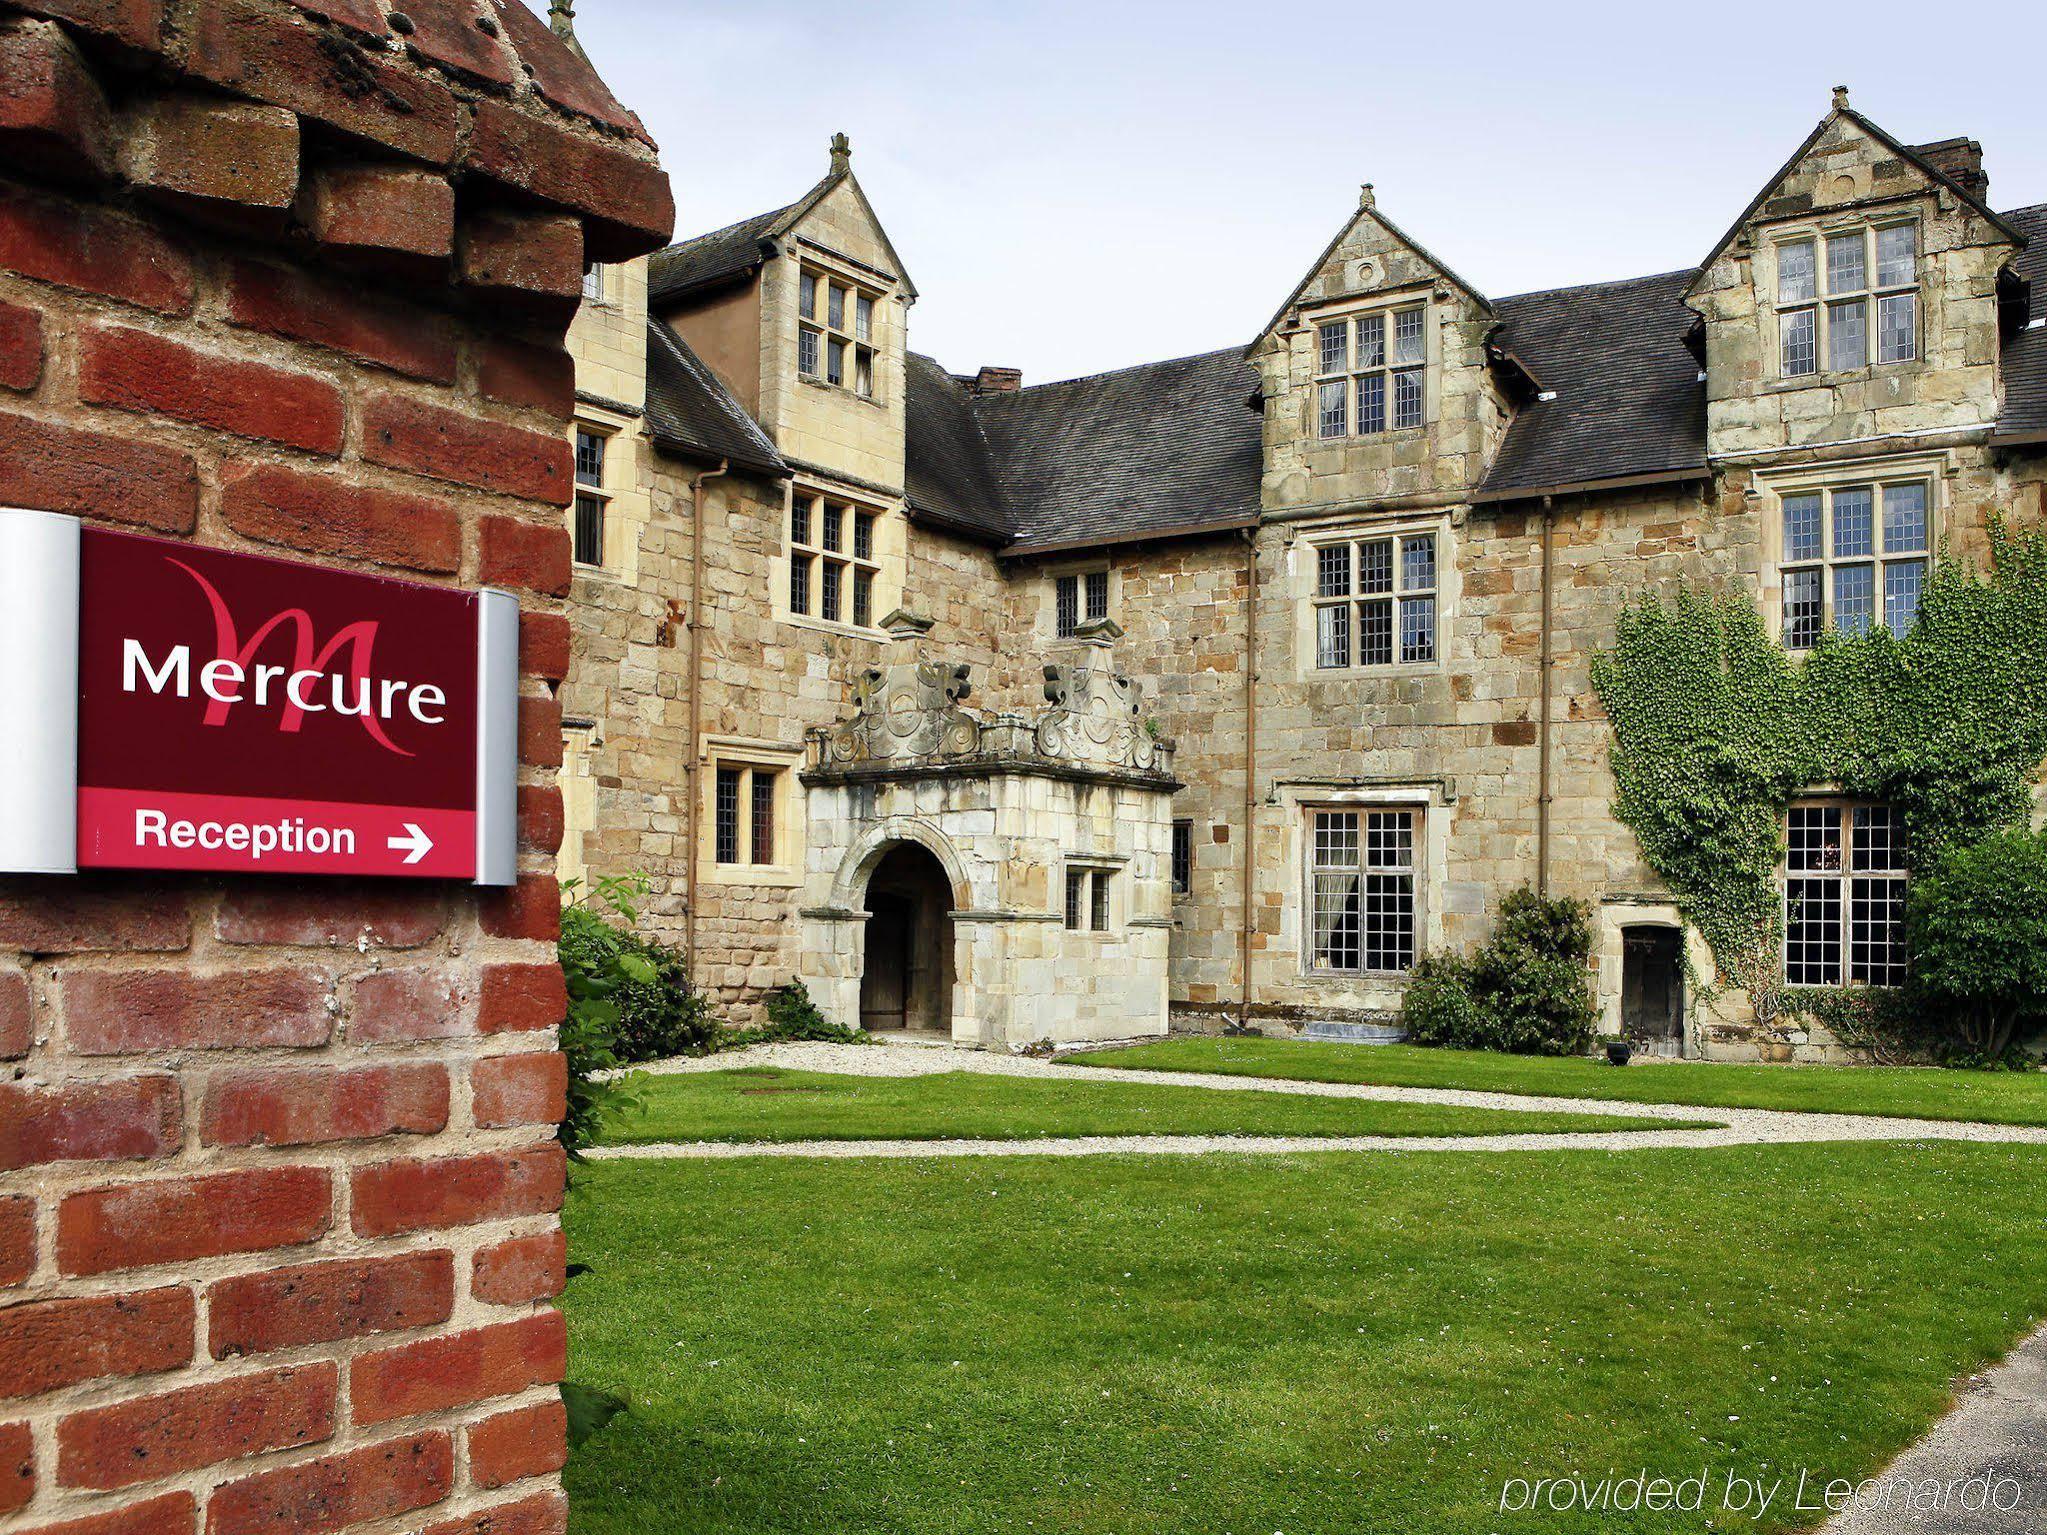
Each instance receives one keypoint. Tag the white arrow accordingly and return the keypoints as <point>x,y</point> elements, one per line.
<point>416,840</point>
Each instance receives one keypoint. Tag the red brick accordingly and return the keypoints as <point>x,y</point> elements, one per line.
<point>17,1466</point>
<point>88,1121</point>
<point>627,195</point>
<point>404,433</point>
<point>21,347</point>
<point>136,23</point>
<point>424,1003</point>
<point>302,306</point>
<point>52,1343</point>
<point>457,1369</point>
<point>562,76</point>
<point>544,1513</point>
<point>362,15</point>
<point>113,478</point>
<point>332,514</point>
<point>520,998</point>
<point>530,909</point>
<point>527,1089</point>
<point>519,373</point>
<point>540,818</point>
<point>137,370</point>
<point>376,1482</point>
<point>543,637</point>
<point>209,156</point>
<point>527,1441</point>
<point>319,1302</point>
<point>274,56</point>
<point>112,1012</point>
<point>540,731</point>
<point>17,1016</point>
<point>176,1219</point>
<point>175,1513</point>
<point>524,554</point>
<point>75,915</point>
<point>17,1238</point>
<point>303,1106</point>
<point>425,1194</point>
<point>521,1269</point>
<point>77,245</point>
<point>531,263</point>
<point>145,1438</point>
<point>395,217</point>
<point>53,114</point>
<point>446,32</point>
<point>331,914</point>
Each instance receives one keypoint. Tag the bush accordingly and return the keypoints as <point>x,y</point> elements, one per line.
<point>1523,992</point>
<point>658,1015</point>
<point>792,1015</point>
<point>1976,927</point>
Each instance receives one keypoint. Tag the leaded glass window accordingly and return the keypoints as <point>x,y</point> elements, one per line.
<point>1844,547</point>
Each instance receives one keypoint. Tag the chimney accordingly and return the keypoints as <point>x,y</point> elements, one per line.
<point>998,381</point>
<point>1961,161</point>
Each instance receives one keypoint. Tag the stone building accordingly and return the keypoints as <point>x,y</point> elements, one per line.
<point>1339,589</point>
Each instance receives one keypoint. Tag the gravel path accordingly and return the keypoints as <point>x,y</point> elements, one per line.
<point>1735,1127</point>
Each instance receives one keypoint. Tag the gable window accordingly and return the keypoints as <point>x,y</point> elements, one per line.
<point>593,283</point>
<point>1087,898</point>
<point>1183,857</point>
<point>1362,889</point>
<point>591,496</point>
<point>832,564</point>
<point>835,332</point>
<point>1375,602</point>
<point>1079,597</point>
<point>1371,372</point>
<point>1853,556</point>
<point>1848,299</point>
<point>1844,895</point>
<point>743,814</point>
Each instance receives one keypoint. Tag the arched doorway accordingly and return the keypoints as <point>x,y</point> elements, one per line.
<point>906,979</point>
<point>1652,988</point>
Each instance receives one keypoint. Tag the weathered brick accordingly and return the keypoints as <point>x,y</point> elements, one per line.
<point>526,1089</point>
<point>105,1120</point>
<point>446,32</point>
<point>175,1513</point>
<point>519,998</point>
<point>520,373</point>
<point>527,1441</point>
<point>540,818</point>
<point>17,1238</point>
<point>405,433</point>
<point>424,1003</point>
<point>419,1194</point>
<point>531,262</point>
<point>76,245</point>
<point>335,515</point>
<point>52,1343</point>
<point>176,1219</point>
<point>529,909</point>
<point>377,1481</point>
<point>457,1368</point>
<point>53,115</point>
<point>21,347</point>
<point>521,1269</point>
<point>543,637</point>
<point>319,1302</point>
<point>138,370</point>
<point>216,157</point>
<point>17,1466</point>
<point>544,1513</point>
<point>304,307</point>
<point>17,1016</point>
<point>626,194</point>
<point>540,731</point>
<point>562,76</point>
<point>331,914</point>
<point>144,1438</point>
<point>300,1106</point>
<point>79,914</point>
<point>113,1012</point>
<point>393,218</point>
<point>65,469</point>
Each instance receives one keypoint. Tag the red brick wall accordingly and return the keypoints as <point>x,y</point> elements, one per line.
<point>279,1187</point>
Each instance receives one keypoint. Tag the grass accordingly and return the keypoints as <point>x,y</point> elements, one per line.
<point>1238,1345</point>
<point>1991,1097</point>
<point>764,1103</point>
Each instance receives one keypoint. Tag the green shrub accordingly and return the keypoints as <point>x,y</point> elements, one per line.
<point>658,1015</point>
<point>1523,992</point>
<point>1977,930</point>
<point>792,1015</point>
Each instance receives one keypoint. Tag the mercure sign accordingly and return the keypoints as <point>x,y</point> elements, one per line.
<point>180,707</point>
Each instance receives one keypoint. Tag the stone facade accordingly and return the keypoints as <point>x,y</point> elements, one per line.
<point>1452,746</point>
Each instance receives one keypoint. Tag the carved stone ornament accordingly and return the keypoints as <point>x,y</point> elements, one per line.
<point>907,709</point>
<point>1095,716</point>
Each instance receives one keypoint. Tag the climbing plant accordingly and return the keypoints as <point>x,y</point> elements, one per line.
<point>1716,727</point>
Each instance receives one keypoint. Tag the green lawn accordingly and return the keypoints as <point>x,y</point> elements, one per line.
<point>765,1103</point>
<point>1993,1097</point>
<point>1239,1345</point>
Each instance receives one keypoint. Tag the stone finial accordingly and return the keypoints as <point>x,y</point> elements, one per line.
<point>1840,98</point>
<point>1099,631</point>
<point>561,16</point>
<point>903,626</point>
<point>842,154</point>
<point>1367,198</point>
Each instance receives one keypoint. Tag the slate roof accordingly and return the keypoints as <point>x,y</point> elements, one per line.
<point>2025,353</point>
<point>710,258</point>
<point>1628,398</point>
<point>688,408</point>
<point>949,475</point>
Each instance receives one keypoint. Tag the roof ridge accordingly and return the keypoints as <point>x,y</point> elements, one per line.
<point>1088,378</point>
<point>1611,282</point>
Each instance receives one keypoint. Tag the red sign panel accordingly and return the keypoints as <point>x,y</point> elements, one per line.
<point>237,712</point>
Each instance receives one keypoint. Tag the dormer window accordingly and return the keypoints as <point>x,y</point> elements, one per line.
<point>1371,372</point>
<point>1848,299</point>
<point>834,332</point>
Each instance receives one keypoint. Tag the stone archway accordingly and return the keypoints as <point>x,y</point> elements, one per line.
<point>906,975</point>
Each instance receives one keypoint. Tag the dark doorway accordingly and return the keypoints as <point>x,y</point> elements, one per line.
<point>1652,988</point>
<point>906,982</point>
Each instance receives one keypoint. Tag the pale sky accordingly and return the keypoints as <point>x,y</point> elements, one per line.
<point>1080,187</point>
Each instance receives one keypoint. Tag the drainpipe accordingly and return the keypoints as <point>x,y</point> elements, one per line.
<point>1250,873</point>
<point>1549,525</point>
<point>692,760</point>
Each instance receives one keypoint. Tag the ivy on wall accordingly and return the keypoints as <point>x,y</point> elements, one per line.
<point>1716,728</point>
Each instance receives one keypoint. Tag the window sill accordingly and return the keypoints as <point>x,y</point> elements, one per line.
<point>840,389</point>
<point>1360,977</point>
<point>1372,673</point>
<point>1867,373</point>
<point>759,874</point>
<point>826,626</point>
